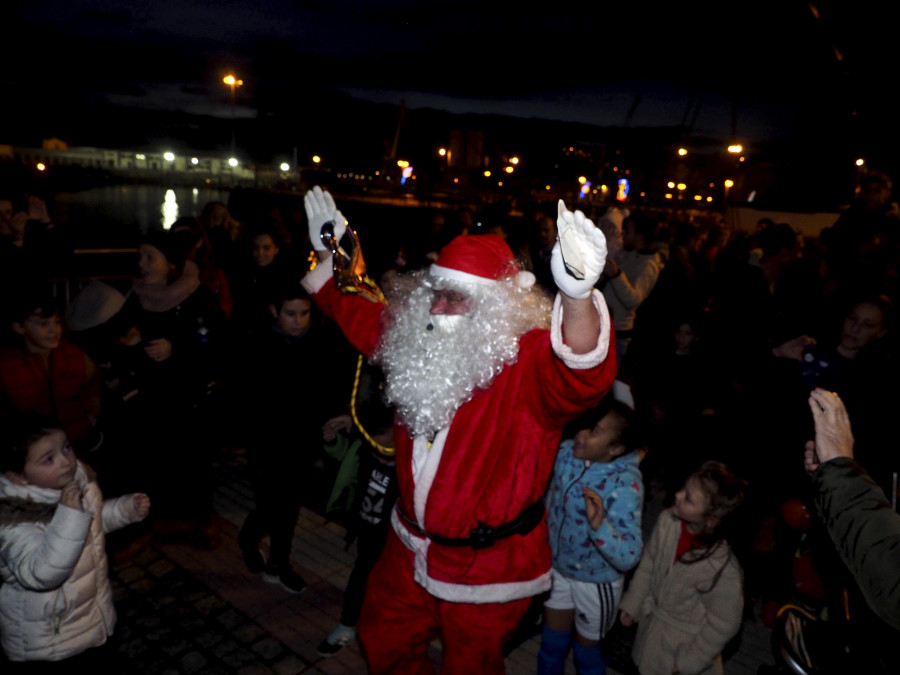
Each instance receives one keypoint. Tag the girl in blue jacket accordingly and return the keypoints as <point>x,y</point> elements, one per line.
<point>594,515</point>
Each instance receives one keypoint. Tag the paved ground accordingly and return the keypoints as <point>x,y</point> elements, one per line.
<point>185,610</point>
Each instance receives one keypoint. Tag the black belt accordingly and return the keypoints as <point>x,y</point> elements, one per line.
<point>484,535</point>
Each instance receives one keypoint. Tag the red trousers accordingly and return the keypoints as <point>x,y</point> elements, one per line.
<point>399,618</point>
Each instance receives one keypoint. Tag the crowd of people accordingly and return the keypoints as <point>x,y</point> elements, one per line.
<point>578,365</point>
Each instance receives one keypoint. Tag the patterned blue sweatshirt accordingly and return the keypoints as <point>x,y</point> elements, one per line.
<point>579,552</point>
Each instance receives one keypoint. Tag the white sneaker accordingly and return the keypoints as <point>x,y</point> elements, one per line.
<point>336,640</point>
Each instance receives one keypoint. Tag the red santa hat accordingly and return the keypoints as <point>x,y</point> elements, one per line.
<point>482,259</point>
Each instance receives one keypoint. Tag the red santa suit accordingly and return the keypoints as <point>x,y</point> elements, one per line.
<point>488,466</point>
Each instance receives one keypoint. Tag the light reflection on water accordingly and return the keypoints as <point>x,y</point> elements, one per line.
<point>119,215</point>
<point>169,209</point>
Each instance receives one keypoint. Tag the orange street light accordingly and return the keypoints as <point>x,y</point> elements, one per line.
<point>233,83</point>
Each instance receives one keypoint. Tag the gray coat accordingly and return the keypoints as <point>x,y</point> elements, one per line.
<point>682,622</point>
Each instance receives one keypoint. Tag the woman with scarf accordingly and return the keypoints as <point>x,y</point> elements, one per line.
<point>167,340</point>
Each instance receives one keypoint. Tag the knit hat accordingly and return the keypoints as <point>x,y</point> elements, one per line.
<point>482,259</point>
<point>174,245</point>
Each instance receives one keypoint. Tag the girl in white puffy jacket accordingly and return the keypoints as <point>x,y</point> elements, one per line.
<point>55,599</point>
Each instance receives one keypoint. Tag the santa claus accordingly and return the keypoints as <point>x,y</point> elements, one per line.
<point>484,374</point>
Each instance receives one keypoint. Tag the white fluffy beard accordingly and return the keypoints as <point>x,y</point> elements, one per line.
<point>430,373</point>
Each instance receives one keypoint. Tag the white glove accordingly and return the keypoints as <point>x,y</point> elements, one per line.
<point>579,253</point>
<point>320,209</point>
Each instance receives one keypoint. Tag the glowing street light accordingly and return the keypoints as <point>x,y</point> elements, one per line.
<point>682,152</point>
<point>169,156</point>
<point>232,162</point>
<point>285,166</point>
<point>860,162</point>
<point>513,160</point>
<point>442,152</point>
<point>735,149</point>
<point>508,169</point>
<point>231,81</point>
<point>316,159</point>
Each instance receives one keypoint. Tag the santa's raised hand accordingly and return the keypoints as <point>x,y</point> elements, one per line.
<point>579,253</point>
<point>320,209</point>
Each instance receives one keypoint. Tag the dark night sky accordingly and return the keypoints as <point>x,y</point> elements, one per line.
<point>773,70</point>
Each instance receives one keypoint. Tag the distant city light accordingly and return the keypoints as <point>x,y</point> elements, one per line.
<point>402,163</point>
<point>442,152</point>
<point>729,183</point>
<point>41,166</point>
<point>668,195</point>
<point>508,169</point>
<point>487,174</point>
<point>316,159</point>
<point>709,199</point>
<point>232,162</point>
<point>623,188</point>
<point>140,155</point>
<point>285,166</point>
<point>513,160</point>
<point>195,161</point>
<point>582,179</point>
<point>682,152</point>
<point>232,81</point>
<point>546,187</point>
<point>456,180</point>
<point>860,162</point>
<point>585,188</point>
<point>169,156</point>
<point>698,198</point>
<point>735,149</point>
<point>500,183</point>
<point>407,172</point>
<point>681,186</point>
<point>670,185</point>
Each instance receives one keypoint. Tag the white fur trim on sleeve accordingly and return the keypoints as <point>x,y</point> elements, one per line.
<point>317,278</point>
<point>592,358</point>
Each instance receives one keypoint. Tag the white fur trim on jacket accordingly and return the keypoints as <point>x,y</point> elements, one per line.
<point>592,358</point>
<point>474,594</point>
<point>317,278</point>
<point>425,465</point>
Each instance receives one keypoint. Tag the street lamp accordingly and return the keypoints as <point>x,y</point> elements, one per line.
<point>234,83</point>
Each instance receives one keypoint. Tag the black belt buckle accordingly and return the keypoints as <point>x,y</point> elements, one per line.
<point>481,536</point>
